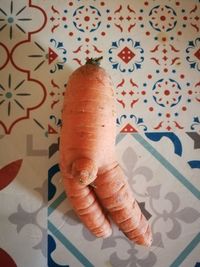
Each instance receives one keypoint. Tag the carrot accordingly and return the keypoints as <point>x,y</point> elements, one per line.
<point>87,157</point>
<point>87,207</point>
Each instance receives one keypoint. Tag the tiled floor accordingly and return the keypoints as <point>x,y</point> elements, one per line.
<point>151,49</point>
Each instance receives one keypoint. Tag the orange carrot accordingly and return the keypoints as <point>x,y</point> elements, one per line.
<point>87,157</point>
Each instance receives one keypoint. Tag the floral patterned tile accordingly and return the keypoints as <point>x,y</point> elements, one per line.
<point>151,49</point>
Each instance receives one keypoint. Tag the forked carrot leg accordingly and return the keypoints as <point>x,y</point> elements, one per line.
<point>87,207</point>
<point>122,205</point>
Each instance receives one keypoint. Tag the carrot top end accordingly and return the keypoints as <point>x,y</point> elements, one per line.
<point>94,61</point>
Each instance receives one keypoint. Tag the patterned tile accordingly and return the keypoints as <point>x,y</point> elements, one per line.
<point>152,51</point>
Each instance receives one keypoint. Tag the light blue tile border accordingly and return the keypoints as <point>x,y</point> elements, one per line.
<point>56,203</point>
<point>195,241</point>
<point>69,246</point>
<point>182,179</point>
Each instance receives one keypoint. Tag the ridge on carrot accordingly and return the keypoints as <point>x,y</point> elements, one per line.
<point>93,179</point>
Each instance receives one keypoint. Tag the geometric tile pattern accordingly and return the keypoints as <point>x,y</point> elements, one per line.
<point>151,49</point>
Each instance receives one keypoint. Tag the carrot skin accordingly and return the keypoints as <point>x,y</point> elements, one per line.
<point>122,206</point>
<point>87,207</point>
<point>123,215</point>
<point>87,156</point>
<point>141,239</point>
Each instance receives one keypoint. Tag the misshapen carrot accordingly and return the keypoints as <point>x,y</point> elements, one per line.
<point>87,156</point>
<point>115,194</point>
<point>87,207</point>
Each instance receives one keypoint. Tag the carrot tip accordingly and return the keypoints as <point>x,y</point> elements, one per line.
<point>106,234</point>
